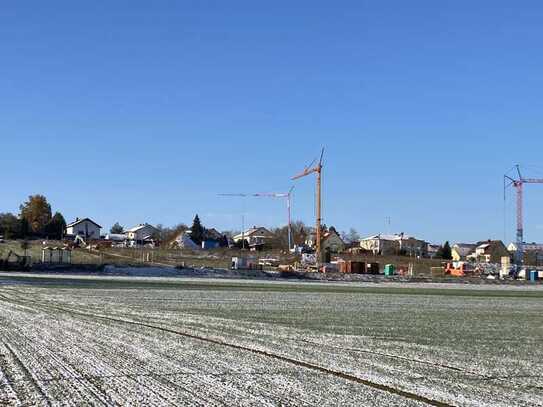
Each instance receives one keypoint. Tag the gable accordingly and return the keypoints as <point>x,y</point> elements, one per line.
<point>85,220</point>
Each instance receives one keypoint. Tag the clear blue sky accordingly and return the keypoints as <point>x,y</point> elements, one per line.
<point>138,111</point>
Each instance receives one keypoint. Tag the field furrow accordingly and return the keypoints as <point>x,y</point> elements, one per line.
<point>220,347</point>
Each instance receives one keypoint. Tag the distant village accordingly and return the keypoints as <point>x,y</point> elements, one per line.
<point>258,238</point>
<point>37,222</point>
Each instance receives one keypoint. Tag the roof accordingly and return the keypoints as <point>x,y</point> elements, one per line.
<point>527,247</point>
<point>184,241</point>
<point>329,234</point>
<point>465,245</point>
<point>78,221</point>
<point>487,243</point>
<point>213,234</point>
<point>250,232</point>
<point>463,249</point>
<point>116,236</point>
<point>394,237</point>
<point>380,237</point>
<point>139,227</point>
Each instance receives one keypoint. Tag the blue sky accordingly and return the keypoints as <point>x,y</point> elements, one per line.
<point>137,111</point>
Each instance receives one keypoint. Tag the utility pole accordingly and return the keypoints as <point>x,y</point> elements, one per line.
<point>518,184</point>
<point>318,170</point>
<point>242,216</point>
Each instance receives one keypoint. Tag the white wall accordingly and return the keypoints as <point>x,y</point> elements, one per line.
<point>84,229</point>
<point>141,233</point>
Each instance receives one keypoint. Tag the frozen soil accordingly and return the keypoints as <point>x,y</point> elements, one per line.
<point>136,341</point>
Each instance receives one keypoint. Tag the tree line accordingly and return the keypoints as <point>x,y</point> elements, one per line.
<point>34,220</point>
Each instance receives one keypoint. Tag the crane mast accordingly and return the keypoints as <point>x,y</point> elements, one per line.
<point>518,184</point>
<point>318,232</point>
<point>288,196</point>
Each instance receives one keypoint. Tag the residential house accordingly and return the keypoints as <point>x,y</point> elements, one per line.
<point>256,237</point>
<point>432,250</point>
<point>490,251</point>
<point>213,234</point>
<point>330,240</point>
<point>533,253</point>
<point>183,241</point>
<point>380,244</point>
<point>142,234</point>
<point>116,239</point>
<point>83,228</point>
<point>410,246</point>
<point>461,251</point>
<point>527,247</point>
<point>395,244</point>
<point>212,239</point>
<point>333,242</point>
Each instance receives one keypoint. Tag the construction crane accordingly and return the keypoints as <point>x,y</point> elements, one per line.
<point>242,217</point>
<point>518,184</point>
<point>287,195</point>
<point>317,169</point>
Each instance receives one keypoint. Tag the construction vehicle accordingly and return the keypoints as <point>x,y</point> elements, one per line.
<point>459,269</point>
<point>19,262</point>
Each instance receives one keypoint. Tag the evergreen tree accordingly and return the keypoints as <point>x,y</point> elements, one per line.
<point>10,226</point>
<point>25,245</point>
<point>55,228</point>
<point>223,241</point>
<point>24,228</point>
<point>116,229</point>
<point>446,252</point>
<point>197,231</point>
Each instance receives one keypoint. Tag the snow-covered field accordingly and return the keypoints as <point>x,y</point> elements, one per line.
<point>246,343</point>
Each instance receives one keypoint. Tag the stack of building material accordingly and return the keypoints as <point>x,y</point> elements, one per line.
<point>372,268</point>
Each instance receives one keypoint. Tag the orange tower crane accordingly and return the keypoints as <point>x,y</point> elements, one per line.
<point>318,170</point>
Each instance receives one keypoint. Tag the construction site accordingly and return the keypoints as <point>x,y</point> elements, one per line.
<point>322,254</point>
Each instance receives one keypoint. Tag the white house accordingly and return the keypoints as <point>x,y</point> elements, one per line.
<point>329,240</point>
<point>432,250</point>
<point>255,236</point>
<point>141,233</point>
<point>527,247</point>
<point>183,241</point>
<point>380,244</point>
<point>85,228</point>
<point>116,238</point>
<point>394,244</point>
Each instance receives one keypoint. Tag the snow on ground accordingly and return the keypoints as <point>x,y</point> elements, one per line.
<point>165,275</point>
<point>150,345</point>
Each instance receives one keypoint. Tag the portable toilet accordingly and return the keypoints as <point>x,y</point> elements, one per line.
<point>389,270</point>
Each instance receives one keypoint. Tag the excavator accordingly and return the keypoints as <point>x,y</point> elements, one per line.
<point>19,263</point>
<point>459,269</point>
